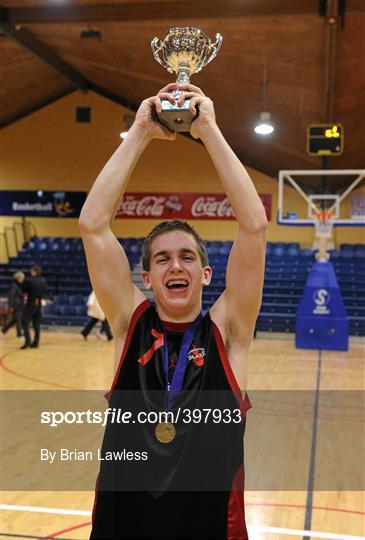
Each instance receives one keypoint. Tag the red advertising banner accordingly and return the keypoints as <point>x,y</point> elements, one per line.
<point>181,206</point>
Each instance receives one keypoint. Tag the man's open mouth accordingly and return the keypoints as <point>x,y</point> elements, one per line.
<point>177,284</point>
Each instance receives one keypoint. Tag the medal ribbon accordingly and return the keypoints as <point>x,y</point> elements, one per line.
<point>182,360</point>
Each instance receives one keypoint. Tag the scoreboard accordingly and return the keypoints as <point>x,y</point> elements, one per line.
<point>325,139</point>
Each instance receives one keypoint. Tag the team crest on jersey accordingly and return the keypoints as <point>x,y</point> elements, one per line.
<point>197,355</point>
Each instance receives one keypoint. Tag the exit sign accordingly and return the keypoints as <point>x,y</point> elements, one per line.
<point>325,139</point>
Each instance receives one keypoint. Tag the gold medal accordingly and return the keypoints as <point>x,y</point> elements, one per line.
<point>165,432</point>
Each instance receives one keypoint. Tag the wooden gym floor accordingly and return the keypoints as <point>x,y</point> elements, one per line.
<point>306,428</point>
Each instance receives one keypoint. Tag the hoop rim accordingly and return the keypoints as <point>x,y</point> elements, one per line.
<point>324,216</point>
<point>324,221</point>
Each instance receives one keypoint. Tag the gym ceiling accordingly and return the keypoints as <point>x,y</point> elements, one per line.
<point>301,60</point>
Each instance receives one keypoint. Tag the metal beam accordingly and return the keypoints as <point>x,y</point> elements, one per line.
<point>133,106</point>
<point>152,10</point>
<point>330,58</point>
<point>31,43</point>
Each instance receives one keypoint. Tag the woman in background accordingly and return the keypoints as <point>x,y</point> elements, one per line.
<point>95,315</point>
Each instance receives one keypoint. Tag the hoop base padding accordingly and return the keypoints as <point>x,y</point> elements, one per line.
<point>321,318</point>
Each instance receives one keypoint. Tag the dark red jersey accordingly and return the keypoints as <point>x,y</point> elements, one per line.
<point>191,487</point>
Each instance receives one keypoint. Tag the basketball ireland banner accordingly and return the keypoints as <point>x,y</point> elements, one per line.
<point>181,206</point>
<point>59,204</point>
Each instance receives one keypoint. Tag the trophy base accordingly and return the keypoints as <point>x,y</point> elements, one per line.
<point>176,118</point>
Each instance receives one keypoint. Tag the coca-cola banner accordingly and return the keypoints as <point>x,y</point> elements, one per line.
<point>181,206</point>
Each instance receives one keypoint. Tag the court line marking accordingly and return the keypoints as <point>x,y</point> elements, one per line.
<point>297,532</point>
<point>247,503</point>
<point>36,536</point>
<point>68,529</point>
<point>313,454</point>
<point>251,528</point>
<point>46,510</point>
<point>5,368</point>
<point>288,505</point>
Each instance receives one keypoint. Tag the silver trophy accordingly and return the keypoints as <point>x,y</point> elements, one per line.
<point>183,51</point>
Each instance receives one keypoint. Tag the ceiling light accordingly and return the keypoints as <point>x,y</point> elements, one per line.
<point>264,125</point>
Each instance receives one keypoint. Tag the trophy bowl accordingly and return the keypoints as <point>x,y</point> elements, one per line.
<point>184,51</point>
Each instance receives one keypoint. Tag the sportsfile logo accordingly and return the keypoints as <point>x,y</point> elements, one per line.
<point>321,299</point>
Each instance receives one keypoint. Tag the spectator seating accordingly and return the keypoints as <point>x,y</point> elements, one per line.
<point>286,271</point>
<point>64,267</point>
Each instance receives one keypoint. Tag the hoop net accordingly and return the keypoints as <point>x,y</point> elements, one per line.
<point>323,220</point>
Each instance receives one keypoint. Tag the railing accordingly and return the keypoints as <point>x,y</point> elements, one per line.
<point>13,238</point>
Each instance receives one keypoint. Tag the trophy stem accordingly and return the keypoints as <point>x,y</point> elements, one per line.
<point>183,76</point>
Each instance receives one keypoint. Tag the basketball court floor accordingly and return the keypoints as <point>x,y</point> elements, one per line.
<point>304,438</point>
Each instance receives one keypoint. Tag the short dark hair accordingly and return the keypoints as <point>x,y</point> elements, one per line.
<point>168,226</point>
<point>37,269</point>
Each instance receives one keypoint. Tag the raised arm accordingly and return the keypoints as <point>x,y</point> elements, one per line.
<point>237,309</point>
<point>107,262</point>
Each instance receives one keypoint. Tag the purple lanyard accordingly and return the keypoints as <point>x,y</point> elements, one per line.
<point>182,360</point>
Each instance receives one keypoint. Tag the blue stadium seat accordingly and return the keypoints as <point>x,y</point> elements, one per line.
<point>64,247</point>
<point>75,299</point>
<point>67,310</point>
<point>60,299</point>
<point>135,248</point>
<point>51,309</point>
<point>346,254</point>
<point>213,250</point>
<point>224,250</point>
<point>333,254</point>
<point>278,251</point>
<point>41,246</point>
<point>306,253</point>
<point>81,310</point>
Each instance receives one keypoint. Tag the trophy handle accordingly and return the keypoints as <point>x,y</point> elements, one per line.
<point>157,48</point>
<point>214,51</point>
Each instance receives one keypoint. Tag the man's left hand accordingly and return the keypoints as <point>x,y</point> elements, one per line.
<point>198,100</point>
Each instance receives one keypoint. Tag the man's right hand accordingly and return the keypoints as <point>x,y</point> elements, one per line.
<point>145,115</point>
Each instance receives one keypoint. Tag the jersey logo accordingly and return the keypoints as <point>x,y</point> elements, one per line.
<point>172,361</point>
<point>159,341</point>
<point>197,355</point>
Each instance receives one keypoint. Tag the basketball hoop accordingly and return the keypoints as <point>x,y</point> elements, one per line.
<point>323,221</point>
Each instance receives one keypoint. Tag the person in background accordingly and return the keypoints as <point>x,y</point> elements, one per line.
<point>35,288</point>
<point>95,315</point>
<point>16,304</point>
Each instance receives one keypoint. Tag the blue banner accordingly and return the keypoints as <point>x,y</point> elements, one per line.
<point>65,204</point>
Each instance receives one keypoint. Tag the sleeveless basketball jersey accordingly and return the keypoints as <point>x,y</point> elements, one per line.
<point>191,487</point>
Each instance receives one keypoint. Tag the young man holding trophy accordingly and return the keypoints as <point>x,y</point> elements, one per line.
<point>170,356</point>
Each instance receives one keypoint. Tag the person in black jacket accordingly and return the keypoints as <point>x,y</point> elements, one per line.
<point>16,304</point>
<point>35,288</point>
